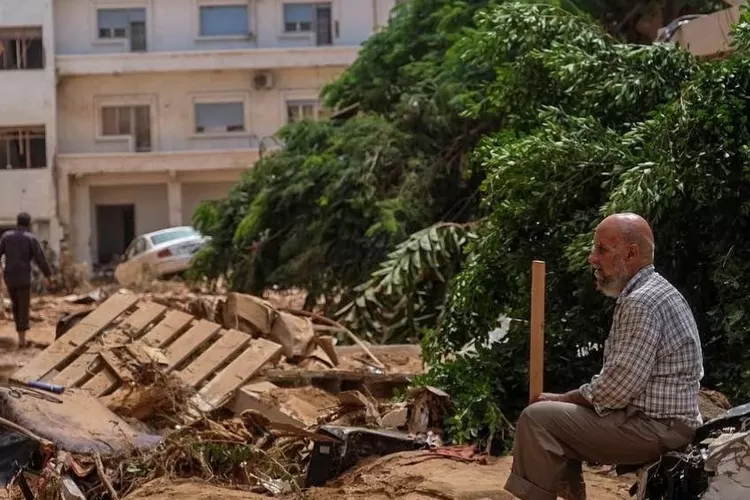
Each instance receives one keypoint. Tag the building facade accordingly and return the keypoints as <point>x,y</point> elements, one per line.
<point>142,109</point>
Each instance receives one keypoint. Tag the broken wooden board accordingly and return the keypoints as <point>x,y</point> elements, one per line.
<point>110,348</point>
<point>208,362</point>
<point>254,310</point>
<point>305,377</point>
<point>219,390</point>
<point>249,398</point>
<point>74,341</point>
<point>294,333</point>
<point>190,341</point>
<point>89,362</point>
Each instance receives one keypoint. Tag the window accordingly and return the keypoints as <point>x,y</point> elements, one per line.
<point>23,147</point>
<point>127,24</point>
<point>137,247</point>
<point>21,48</point>
<point>304,110</point>
<point>309,18</point>
<point>224,20</point>
<point>219,117</point>
<point>176,234</point>
<point>133,121</point>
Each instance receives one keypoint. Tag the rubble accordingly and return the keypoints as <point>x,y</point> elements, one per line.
<point>729,460</point>
<point>231,390</point>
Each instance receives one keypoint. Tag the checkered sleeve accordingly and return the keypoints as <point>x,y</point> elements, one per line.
<point>630,361</point>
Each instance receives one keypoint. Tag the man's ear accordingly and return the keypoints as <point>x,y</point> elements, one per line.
<point>633,251</point>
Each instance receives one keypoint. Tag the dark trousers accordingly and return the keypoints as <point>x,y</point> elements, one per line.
<point>20,299</point>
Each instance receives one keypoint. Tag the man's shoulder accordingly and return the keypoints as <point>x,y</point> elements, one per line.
<point>14,234</point>
<point>656,293</point>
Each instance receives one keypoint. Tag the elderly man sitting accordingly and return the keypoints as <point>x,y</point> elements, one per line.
<point>643,402</point>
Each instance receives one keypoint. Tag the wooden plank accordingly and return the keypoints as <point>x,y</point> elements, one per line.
<point>219,390</point>
<point>305,377</point>
<point>208,362</point>
<point>147,313</point>
<point>190,341</point>
<point>113,371</point>
<point>70,344</point>
<point>102,382</point>
<point>87,362</point>
<point>172,324</point>
<point>536,361</point>
<point>131,327</point>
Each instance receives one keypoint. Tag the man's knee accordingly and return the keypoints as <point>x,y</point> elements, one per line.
<point>542,413</point>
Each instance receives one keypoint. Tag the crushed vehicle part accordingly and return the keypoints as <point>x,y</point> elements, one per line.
<point>685,474</point>
<point>329,459</point>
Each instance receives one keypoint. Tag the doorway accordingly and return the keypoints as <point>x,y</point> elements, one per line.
<point>115,229</point>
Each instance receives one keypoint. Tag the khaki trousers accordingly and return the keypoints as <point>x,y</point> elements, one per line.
<point>552,439</point>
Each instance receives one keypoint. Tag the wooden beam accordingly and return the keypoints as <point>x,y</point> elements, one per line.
<point>536,362</point>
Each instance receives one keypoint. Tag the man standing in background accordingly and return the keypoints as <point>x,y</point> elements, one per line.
<point>20,246</point>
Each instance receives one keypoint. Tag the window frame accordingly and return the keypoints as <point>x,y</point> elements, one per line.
<point>23,37</point>
<point>312,33</point>
<point>302,98</point>
<point>30,130</point>
<point>251,18</point>
<point>225,98</point>
<point>119,101</point>
<point>133,122</point>
<point>300,102</point>
<point>96,5</point>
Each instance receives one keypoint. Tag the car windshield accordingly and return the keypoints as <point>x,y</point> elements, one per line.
<point>183,232</point>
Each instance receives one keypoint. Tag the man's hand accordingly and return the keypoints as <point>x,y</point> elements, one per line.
<point>549,396</point>
<point>573,397</point>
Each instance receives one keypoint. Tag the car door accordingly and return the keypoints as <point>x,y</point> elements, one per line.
<point>127,272</point>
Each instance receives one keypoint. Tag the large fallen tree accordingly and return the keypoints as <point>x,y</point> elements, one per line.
<point>510,139</point>
<point>684,168</point>
<point>323,213</point>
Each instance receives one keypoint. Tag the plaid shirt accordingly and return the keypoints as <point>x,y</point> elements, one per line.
<point>653,361</point>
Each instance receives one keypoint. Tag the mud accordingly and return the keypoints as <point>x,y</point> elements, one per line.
<point>407,476</point>
<point>189,490</point>
<point>419,476</point>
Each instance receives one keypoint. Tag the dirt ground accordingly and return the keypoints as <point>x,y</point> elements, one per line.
<point>407,476</point>
<point>45,313</point>
<point>188,490</point>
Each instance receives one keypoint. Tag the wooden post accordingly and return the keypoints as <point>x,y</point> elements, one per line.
<point>536,351</point>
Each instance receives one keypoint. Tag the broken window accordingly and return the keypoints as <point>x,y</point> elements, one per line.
<point>219,117</point>
<point>21,48</point>
<point>131,121</point>
<point>23,147</point>
<point>128,24</point>
<point>304,110</point>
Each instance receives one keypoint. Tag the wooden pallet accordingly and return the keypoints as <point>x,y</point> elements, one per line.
<point>97,354</point>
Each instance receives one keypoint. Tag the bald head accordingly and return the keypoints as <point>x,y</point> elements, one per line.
<point>623,245</point>
<point>632,229</point>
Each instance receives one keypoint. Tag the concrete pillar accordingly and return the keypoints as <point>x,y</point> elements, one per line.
<point>174,202</point>
<point>82,222</point>
<point>64,211</point>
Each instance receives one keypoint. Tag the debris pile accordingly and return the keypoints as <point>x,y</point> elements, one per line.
<point>235,388</point>
<point>244,450</point>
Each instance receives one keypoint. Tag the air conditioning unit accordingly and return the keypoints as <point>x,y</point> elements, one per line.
<point>263,80</point>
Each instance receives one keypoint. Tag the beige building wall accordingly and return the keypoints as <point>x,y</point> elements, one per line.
<point>28,99</point>
<point>171,97</point>
<point>107,187</point>
<point>166,185</point>
<point>194,193</point>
